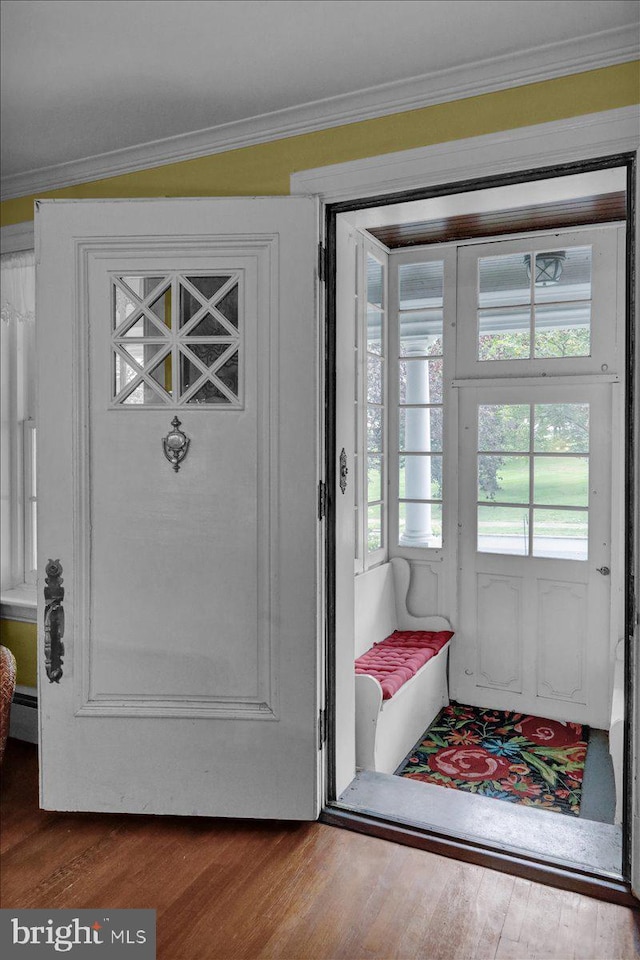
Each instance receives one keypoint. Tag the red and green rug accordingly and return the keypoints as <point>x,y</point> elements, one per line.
<point>504,755</point>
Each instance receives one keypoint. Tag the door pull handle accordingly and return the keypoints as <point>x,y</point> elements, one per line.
<point>344,470</point>
<point>604,571</point>
<point>53,621</point>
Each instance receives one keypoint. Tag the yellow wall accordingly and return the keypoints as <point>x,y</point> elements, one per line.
<point>21,638</point>
<point>265,169</point>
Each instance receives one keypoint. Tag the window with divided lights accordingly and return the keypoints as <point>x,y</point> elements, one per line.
<point>533,479</point>
<point>177,340</point>
<point>420,403</point>
<point>375,379</point>
<point>534,304</point>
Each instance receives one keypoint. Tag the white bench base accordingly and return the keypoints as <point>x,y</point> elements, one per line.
<point>386,730</point>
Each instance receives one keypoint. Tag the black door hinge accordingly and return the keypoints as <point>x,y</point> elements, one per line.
<point>322,728</point>
<point>322,500</point>
<point>322,258</point>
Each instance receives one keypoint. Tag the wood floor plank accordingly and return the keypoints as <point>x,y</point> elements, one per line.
<point>243,890</point>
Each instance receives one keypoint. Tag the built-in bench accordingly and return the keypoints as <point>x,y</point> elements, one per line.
<point>386,729</point>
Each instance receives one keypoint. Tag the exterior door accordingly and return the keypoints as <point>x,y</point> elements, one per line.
<point>177,478</point>
<point>535,550</point>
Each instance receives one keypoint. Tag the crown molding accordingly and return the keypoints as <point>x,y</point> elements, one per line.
<point>607,48</point>
<point>608,133</point>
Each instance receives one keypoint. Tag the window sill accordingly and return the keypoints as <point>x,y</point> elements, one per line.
<point>19,603</point>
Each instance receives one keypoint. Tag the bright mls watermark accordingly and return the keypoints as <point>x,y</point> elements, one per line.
<point>80,934</point>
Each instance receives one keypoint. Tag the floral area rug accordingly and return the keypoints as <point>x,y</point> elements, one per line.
<point>507,756</point>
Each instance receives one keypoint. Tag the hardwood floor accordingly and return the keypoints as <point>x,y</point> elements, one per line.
<point>233,889</point>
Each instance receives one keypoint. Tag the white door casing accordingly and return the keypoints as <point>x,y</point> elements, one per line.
<point>190,677</point>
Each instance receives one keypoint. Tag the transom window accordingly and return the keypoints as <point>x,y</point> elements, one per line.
<point>534,305</point>
<point>176,339</point>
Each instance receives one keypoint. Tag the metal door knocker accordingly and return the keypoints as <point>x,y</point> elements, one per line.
<point>175,444</point>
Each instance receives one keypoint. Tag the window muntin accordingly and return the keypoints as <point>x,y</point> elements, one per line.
<point>420,403</point>
<point>533,479</point>
<point>535,304</point>
<point>176,340</point>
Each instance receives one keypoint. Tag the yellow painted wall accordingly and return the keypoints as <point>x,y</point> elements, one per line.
<point>265,169</point>
<point>21,639</point>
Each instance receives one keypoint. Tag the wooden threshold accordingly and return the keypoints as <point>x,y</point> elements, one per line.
<point>529,868</point>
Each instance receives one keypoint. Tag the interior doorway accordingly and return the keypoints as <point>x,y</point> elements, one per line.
<point>487,461</point>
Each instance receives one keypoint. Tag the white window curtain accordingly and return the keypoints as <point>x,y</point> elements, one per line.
<point>18,286</point>
<point>17,383</point>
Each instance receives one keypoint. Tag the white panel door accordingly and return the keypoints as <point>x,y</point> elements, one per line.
<point>189,679</point>
<point>535,551</point>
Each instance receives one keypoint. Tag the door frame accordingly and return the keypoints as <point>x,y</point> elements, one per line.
<point>581,145</point>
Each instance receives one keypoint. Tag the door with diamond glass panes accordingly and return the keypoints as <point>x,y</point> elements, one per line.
<point>177,469</point>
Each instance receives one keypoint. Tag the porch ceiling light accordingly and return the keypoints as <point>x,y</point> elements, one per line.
<point>548,267</point>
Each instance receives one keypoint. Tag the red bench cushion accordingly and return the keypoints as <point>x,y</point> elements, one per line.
<point>396,659</point>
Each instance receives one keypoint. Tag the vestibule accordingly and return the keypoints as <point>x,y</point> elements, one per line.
<point>534,381</point>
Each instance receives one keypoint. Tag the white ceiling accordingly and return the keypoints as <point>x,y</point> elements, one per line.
<point>82,78</point>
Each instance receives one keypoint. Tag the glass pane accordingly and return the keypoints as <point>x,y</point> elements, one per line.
<point>137,396</point>
<point>503,530</point>
<point>162,373</point>
<point>561,533</point>
<point>375,321</point>
<point>189,372</point>
<point>142,286</point>
<point>143,395</point>
<point>374,281</point>
<point>420,429</point>
<point>561,480</point>
<point>503,479</point>
<point>123,374</point>
<point>208,393</point>
<point>563,330</point>
<point>561,428</point>
<point>208,286</point>
<point>188,306</point>
<point>140,327</point>
<point>420,525</point>
<point>503,427</point>
<point>374,527</point>
<point>123,307</point>
<point>421,333</point>
<point>374,428</point>
<point>209,326</point>
<point>374,380</point>
<point>228,306</point>
<point>374,478</point>
<point>421,285</point>
<point>208,353</point>
<point>421,381</point>
<point>161,307</point>
<point>228,373</point>
<point>563,275</point>
<point>504,334</point>
<point>503,280</point>
<point>420,477</point>
<point>141,353</point>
